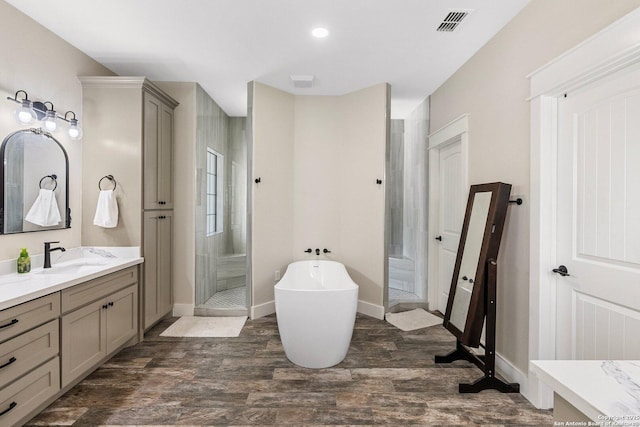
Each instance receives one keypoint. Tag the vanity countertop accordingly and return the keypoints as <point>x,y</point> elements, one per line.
<point>607,391</point>
<point>69,268</point>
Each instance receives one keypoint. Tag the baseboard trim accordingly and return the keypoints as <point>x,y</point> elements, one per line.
<point>262,310</point>
<point>372,310</point>
<point>511,374</point>
<point>180,310</point>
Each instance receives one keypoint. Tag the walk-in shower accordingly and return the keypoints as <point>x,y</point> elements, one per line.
<point>221,207</point>
<point>408,193</point>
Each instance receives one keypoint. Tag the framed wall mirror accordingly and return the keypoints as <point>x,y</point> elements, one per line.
<point>34,183</point>
<point>479,242</point>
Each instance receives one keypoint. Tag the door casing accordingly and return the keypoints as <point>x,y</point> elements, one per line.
<point>614,49</point>
<point>456,130</point>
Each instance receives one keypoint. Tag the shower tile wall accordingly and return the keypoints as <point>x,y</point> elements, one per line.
<point>236,187</point>
<point>212,128</point>
<point>416,193</point>
<point>397,188</point>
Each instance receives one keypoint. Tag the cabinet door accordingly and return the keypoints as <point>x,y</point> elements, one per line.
<point>165,162</point>
<point>158,298</point>
<point>83,340</point>
<point>158,153</point>
<point>122,317</point>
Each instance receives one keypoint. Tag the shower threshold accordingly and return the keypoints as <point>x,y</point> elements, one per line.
<point>230,302</point>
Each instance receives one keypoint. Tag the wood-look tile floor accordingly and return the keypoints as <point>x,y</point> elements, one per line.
<point>388,378</point>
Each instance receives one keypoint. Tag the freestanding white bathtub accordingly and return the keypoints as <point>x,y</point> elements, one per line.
<point>316,305</point>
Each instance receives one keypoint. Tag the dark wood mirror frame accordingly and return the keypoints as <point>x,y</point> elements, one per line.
<point>492,235</point>
<point>66,210</point>
<point>488,223</point>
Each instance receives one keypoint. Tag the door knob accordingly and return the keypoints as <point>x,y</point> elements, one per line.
<point>439,238</point>
<point>561,270</point>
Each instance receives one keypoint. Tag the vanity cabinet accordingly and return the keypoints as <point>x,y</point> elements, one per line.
<point>50,343</point>
<point>96,330</point>
<point>158,232</point>
<point>29,357</point>
<point>92,331</point>
<point>128,125</point>
<point>25,397</point>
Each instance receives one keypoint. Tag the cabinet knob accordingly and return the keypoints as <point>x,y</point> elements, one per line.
<point>110,303</point>
<point>105,306</point>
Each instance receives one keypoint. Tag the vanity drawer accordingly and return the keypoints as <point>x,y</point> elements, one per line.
<point>21,318</point>
<point>24,352</point>
<point>93,290</point>
<point>27,394</point>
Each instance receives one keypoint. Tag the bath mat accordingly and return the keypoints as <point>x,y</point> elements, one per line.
<point>195,326</point>
<point>413,319</point>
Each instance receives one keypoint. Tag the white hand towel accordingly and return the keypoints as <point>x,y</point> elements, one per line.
<point>44,211</point>
<point>106,210</point>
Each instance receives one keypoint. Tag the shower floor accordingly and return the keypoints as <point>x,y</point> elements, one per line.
<point>397,295</point>
<point>230,298</point>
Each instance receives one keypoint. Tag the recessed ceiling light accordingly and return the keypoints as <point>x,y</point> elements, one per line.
<point>319,32</point>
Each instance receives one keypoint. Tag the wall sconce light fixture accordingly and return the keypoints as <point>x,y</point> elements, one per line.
<point>30,111</point>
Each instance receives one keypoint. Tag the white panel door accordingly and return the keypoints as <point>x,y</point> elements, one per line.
<point>598,224</point>
<point>450,216</point>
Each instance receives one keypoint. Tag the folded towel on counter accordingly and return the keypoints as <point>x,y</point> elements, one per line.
<point>44,211</point>
<point>106,210</point>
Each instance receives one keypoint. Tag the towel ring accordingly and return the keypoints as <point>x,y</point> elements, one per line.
<point>110,178</point>
<point>53,177</point>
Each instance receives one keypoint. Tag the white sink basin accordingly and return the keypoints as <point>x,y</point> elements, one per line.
<point>77,266</point>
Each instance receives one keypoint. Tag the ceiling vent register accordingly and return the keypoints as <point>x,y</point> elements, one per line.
<point>452,20</point>
<point>302,81</point>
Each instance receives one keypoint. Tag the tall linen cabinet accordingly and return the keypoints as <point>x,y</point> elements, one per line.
<point>128,133</point>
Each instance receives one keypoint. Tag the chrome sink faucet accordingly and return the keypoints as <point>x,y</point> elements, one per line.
<point>47,253</point>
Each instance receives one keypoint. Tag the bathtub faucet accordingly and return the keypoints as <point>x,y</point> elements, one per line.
<point>317,251</point>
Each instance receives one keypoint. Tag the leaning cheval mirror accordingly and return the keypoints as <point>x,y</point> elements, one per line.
<point>472,297</point>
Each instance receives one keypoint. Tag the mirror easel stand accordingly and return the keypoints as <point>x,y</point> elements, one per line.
<point>486,362</point>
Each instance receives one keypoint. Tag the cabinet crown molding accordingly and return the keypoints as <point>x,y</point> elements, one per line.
<point>127,82</point>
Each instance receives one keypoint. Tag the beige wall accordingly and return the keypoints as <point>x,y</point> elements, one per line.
<point>492,88</point>
<point>319,158</point>
<point>112,145</point>
<point>316,175</point>
<point>361,201</point>
<point>184,190</point>
<point>272,216</point>
<point>34,59</point>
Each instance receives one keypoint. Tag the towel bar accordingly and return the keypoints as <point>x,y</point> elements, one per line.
<point>53,177</point>
<point>110,178</point>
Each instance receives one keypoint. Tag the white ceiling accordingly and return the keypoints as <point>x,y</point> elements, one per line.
<point>223,44</point>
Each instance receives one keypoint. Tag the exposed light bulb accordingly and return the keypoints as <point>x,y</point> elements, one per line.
<point>49,121</point>
<point>74,131</point>
<point>319,32</point>
<point>25,113</point>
